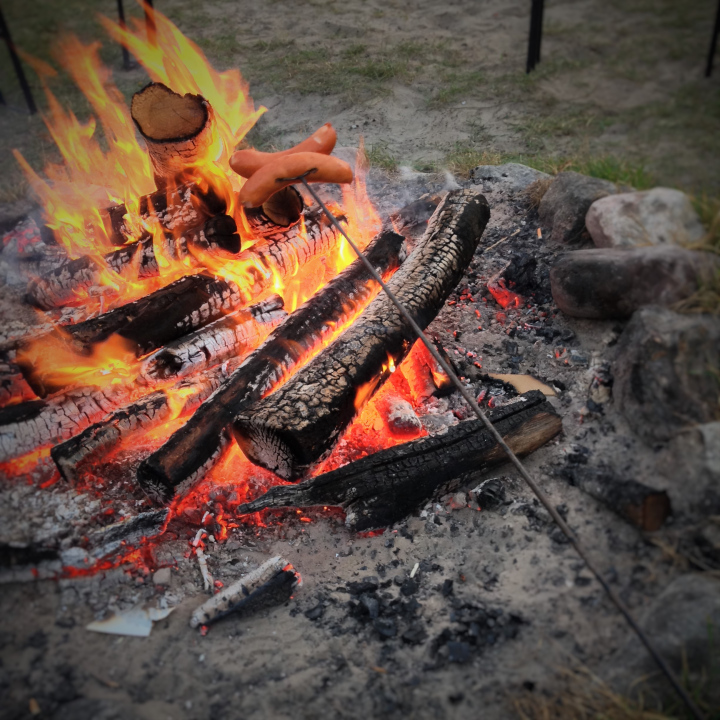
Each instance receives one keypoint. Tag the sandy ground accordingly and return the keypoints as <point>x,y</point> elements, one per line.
<point>281,663</point>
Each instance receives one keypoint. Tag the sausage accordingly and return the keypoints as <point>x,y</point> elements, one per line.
<point>247,162</point>
<point>265,182</point>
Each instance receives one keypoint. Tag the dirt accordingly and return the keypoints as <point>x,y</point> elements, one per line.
<point>506,569</point>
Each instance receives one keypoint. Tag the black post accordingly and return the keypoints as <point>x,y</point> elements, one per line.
<point>5,32</point>
<point>150,22</point>
<point>713,43</point>
<point>2,99</point>
<point>535,38</point>
<point>123,26</point>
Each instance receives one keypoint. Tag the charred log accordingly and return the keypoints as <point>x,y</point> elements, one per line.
<point>13,386</point>
<point>179,130</point>
<point>230,336</point>
<point>416,213</point>
<point>142,415</point>
<point>299,424</point>
<point>382,488</point>
<point>37,424</point>
<point>282,210</point>
<point>640,505</point>
<point>189,452</point>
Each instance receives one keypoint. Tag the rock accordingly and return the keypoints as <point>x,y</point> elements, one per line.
<point>660,216</point>
<point>680,624</point>
<point>513,177</point>
<point>613,283</point>
<point>162,576</point>
<point>664,372</point>
<point>691,464</point>
<point>564,206</point>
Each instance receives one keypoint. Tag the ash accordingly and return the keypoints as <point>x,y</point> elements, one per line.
<point>474,600</point>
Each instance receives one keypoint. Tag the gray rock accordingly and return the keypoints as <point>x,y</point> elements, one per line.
<point>564,206</point>
<point>513,177</point>
<point>679,624</point>
<point>691,464</point>
<point>613,282</point>
<point>664,372</point>
<point>162,576</point>
<point>660,216</point>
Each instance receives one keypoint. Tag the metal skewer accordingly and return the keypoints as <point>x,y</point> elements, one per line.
<point>567,531</point>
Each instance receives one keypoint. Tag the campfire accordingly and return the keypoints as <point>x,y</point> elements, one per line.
<point>209,347</point>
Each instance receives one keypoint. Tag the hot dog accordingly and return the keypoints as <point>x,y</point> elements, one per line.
<point>267,180</point>
<point>247,162</point>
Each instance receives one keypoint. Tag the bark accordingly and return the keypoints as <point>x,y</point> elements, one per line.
<point>416,213</point>
<point>139,416</point>
<point>179,130</point>
<point>382,488</point>
<point>298,425</point>
<point>38,424</point>
<point>193,448</point>
<point>643,506</point>
<point>230,336</point>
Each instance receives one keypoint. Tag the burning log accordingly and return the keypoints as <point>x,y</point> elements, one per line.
<point>13,386</point>
<point>640,505</point>
<point>282,210</point>
<point>415,213</point>
<point>133,261</point>
<point>230,336</point>
<point>298,425</point>
<point>37,424</point>
<point>270,584</point>
<point>382,488</point>
<point>193,448</point>
<point>423,373</point>
<point>179,130</point>
<point>142,415</point>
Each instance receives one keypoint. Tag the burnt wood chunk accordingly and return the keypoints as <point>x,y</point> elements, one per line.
<point>298,425</point>
<point>382,488</point>
<point>640,505</point>
<point>230,336</point>
<point>190,451</point>
<point>282,210</point>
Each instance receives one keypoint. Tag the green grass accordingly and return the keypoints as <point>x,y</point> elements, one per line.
<point>379,156</point>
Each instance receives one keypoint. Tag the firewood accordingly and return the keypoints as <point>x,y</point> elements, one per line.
<point>382,488</point>
<point>424,374</point>
<point>37,424</point>
<point>298,425</point>
<point>640,505</point>
<point>179,130</point>
<point>191,450</point>
<point>270,584</point>
<point>282,210</point>
<point>13,386</point>
<point>230,336</point>
<point>415,213</point>
<point>141,415</point>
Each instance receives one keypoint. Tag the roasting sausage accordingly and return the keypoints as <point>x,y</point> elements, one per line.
<point>247,162</point>
<point>266,180</point>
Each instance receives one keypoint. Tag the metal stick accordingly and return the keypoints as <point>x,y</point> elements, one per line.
<point>150,27</point>
<point>713,43</point>
<point>512,457</point>
<point>5,33</point>
<point>123,27</point>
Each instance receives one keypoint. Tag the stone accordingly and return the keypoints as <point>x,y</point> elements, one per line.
<point>691,464</point>
<point>680,622</point>
<point>606,283</point>
<point>162,576</point>
<point>564,206</point>
<point>660,216</point>
<point>664,372</point>
<point>513,177</point>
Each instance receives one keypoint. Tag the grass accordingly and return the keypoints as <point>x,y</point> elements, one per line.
<point>379,156</point>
